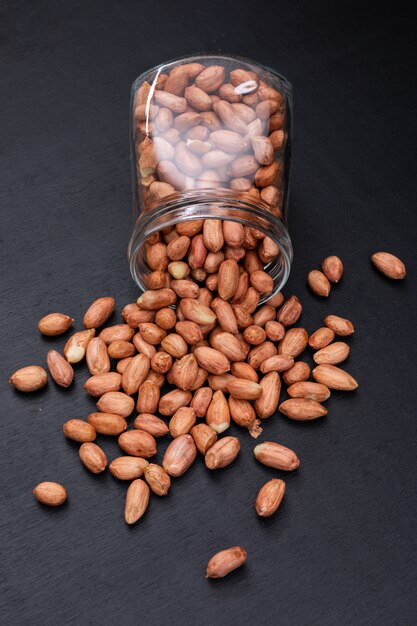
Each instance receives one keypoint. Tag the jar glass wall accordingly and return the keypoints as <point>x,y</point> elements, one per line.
<point>211,140</point>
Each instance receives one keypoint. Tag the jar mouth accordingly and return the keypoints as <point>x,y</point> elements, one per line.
<point>211,204</point>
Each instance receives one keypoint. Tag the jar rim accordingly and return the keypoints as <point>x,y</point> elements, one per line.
<point>216,204</point>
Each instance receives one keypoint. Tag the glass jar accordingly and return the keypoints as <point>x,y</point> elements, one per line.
<point>211,140</point>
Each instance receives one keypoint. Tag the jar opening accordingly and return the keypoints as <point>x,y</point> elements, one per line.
<point>211,204</point>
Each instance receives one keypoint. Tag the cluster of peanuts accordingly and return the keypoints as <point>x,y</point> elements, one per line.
<point>206,128</point>
<point>222,356</point>
<point>225,256</point>
<point>192,361</point>
<point>224,361</point>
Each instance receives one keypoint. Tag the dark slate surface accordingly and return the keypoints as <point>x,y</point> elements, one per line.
<point>342,548</point>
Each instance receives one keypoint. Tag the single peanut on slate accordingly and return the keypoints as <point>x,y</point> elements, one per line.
<point>225,562</point>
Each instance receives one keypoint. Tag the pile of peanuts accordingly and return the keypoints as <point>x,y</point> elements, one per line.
<point>222,357</point>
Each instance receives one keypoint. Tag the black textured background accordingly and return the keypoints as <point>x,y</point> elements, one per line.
<point>342,548</point>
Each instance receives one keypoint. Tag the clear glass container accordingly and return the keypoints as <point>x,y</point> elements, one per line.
<point>211,140</point>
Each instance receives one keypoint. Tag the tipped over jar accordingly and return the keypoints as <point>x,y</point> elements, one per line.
<point>211,154</point>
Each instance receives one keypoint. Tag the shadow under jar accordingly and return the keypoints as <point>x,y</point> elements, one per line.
<point>211,155</point>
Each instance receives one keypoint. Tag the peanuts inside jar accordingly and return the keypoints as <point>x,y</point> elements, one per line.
<point>211,155</point>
